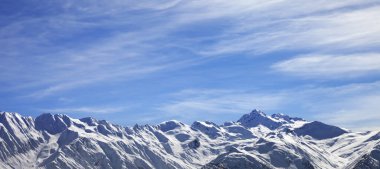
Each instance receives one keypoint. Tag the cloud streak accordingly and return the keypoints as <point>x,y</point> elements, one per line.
<point>111,48</point>
<point>327,28</point>
<point>330,66</point>
<point>219,102</point>
<point>90,110</point>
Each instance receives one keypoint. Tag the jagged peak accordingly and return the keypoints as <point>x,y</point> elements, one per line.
<point>138,127</point>
<point>172,121</point>
<point>201,125</point>
<point>170,125</point>
<point>55,116</point>
<point>209,128</point>
<point>10,114</point>
<point>89,121</point>
<point>229,123</point>
<point>257,112</point>
<point>280,115</point>
<point>257,117</point>
<point>13,118</point>
<point>319,130</point>
<point>205,123</point>
<point>253,114</point>
<point>287,118</point>
<point>53,123</point>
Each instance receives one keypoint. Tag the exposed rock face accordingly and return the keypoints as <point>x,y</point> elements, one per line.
<point>67,137</point>
<point>195,144</point>
<point>210,129</point>
<point>256,140</point>
<point>53,124</point>
<point>170,125</point>
<point>235,160</point>
<point>319,130</point>
<point>89,121</point>
<point>285,118</point>
<point>17,135</point>
<point>256,118</point>
<point>370,160</point>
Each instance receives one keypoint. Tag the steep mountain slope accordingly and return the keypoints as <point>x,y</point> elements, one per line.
<point>371,160</point>
<point>256,140</point>
<point>319,130</point>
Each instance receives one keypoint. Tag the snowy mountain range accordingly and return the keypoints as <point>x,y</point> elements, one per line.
<point>256,140</point>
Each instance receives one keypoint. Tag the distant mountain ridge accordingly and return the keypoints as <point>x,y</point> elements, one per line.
<point>256,140</point>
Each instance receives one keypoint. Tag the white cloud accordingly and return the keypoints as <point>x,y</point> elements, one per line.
<point>318,29</point>
<point>142,44</point>
<point>91,110</point>
<point>360,112</point>
<point>354,106</point>
<point>209,101</point>
<point>331,66</point>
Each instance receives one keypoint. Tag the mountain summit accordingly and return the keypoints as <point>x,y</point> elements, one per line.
<point>256,140</point>
<point>257,117</point>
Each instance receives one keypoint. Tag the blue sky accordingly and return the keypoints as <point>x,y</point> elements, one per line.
<point>150,61</point>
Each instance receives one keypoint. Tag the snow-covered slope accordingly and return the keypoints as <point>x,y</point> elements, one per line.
<point>256,140</point>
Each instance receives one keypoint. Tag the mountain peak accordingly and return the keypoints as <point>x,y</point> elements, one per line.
<point>170,125</point>
<point>319,130</point>
<point>53,123</point>
<point>9,114</point>
<point>258,117</point>
<point>89,120</point>
<point>258,112</point>
<point>208,128</point>
<point>285,118</point>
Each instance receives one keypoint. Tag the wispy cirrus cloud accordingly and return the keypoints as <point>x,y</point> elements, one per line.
<point>80,43</point>
<point>358,113</point>
<point>220,101</point>
<point>330,27</point>
<point>89,110</point>
<point>331,66</point>
<point>53,59</point>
